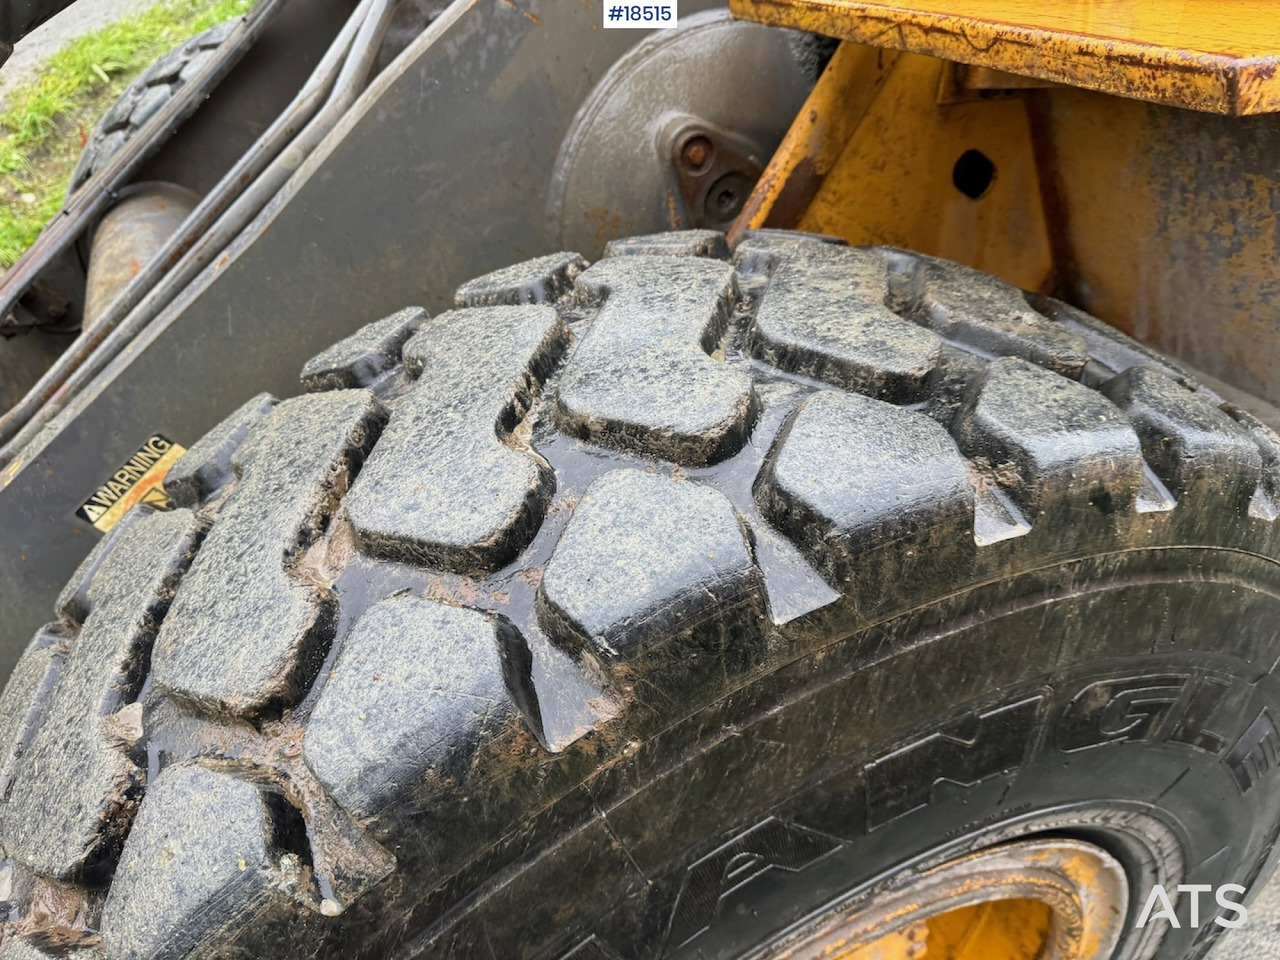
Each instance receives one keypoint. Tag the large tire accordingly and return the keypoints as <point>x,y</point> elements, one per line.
<point>641,610</point>
<point>143,98</point>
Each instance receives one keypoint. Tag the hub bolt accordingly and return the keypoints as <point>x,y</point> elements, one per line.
<point>696,152</point>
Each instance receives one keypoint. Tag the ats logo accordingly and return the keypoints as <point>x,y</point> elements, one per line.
<point>1160,907</point>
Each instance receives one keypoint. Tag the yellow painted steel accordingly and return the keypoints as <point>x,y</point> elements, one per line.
<point>880,171</point>
<point>819,135</point>
<point>996,930</point>
<point>1169,228</point>
<point>1036,899</point>
<point>1217,56</point>
<point>1163,222</point>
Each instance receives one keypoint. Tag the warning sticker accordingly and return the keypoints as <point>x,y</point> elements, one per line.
<point>138,481</point>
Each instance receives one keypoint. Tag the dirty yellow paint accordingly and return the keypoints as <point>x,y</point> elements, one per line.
<point>811,148</point>
<point>1163,222</point>
<point>1218,57</point>
<point>891,179</point>
<point>1171,223</point>
<point>1029,900</point>
<point>1014,929</point>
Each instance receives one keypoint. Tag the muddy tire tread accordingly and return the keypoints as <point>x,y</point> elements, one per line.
<point>628,357</point>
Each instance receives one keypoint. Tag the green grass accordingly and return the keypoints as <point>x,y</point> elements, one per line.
<point>47,121</point>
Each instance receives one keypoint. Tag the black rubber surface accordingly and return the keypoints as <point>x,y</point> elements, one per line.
<point>140,101</point>
<point>510,636</point>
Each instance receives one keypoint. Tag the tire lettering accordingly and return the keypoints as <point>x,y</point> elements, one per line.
<point>1118,711</point>
<point>769,845</point>
<point>1173,708</point>
<point>980,746</point>
<point>1191,729</point>
<point>1254,753</point>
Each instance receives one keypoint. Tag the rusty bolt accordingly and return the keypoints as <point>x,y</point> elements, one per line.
<point>696,152</point>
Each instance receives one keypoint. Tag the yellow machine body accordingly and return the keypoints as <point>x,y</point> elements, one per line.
<point>1127,156</point>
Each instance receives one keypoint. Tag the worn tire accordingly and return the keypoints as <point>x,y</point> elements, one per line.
<point>640,610</point>
<point>141,100</point>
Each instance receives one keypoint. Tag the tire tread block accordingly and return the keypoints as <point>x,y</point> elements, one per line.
<point>1195,448</point>
<point>1050,438</point>
<point>418,684</point>
<point>824,315</point>
<point>118,113</point>
<point>75,788</point>
<point>364,356</point>
<point>443,488</point>
<point>24,696</point>
<point>674,243</point>
<point>245,631</point>
<point>1266,500</point>
<point>1107,346</point>
<point>206,466</point>
<point>149,103</point>
<point>144,97</point>
<point>642,377</point>
<point>642,556</point>
<point>72,605</point>
<point>849,474</point>
<point>199,859</point>
<point>984,312</point>
<point>542,280</point>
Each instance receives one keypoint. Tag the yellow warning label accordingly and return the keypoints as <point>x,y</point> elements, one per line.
<point>138,481</point>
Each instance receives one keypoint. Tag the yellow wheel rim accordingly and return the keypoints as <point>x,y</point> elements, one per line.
<point>1029,900</point>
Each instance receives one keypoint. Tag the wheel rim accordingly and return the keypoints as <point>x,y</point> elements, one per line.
<point>1044,899</point>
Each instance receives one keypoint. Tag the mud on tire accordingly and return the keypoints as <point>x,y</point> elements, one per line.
<point>529,621</point>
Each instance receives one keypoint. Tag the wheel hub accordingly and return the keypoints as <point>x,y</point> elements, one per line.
<point>1044,899</point>
<point>676,134</point>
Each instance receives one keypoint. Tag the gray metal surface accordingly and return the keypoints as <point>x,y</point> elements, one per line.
<point>421,185</point>
<point>615,176</point>
<point>250,182</point>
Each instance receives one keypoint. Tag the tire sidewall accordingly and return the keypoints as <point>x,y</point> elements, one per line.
<point>1126,700</point>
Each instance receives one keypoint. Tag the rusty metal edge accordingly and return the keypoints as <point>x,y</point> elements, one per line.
<point>1205,82</point>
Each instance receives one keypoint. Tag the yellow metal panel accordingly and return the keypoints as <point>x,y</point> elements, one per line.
<point>818,136</point>
<point>892,183</point>
<point>1016,929</point>
<point>1172,220</point>
<point>1163,222</point>
<point>1217,56</point>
